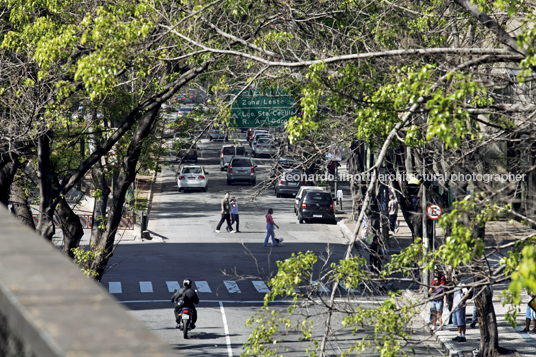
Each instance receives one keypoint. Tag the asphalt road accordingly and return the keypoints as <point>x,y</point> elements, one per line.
<point>228,269</point>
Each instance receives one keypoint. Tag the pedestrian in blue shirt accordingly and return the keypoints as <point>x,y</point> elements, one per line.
<point>234,216</point>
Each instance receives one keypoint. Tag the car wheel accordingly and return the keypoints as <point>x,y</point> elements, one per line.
<point>228,181</point>
<point>253,183</point>
<point>334,221</point>
<point>181,189</point>
<point>222,168</point>
<point>295,210</point>
<point>277,195</point>
<point>300,219</point>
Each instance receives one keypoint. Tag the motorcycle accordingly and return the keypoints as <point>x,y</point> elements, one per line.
<point>185,318</point>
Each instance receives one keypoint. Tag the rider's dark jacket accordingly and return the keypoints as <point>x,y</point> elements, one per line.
<point>188,295</point>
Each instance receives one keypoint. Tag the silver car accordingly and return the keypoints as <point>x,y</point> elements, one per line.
<point>242,169</point>
<point>265,146</point>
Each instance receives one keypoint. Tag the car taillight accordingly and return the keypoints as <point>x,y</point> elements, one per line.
<point>202,177</point>
<point>186,311</point>
<point>280,181</point>
<point>252,169</point>
<point>303,205</point>
<point>230,169</point>
<point>181,178</point>
<point>273,147</point>
<point>331,206</point>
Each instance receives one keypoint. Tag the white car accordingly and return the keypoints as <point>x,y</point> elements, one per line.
<point>192,176</point>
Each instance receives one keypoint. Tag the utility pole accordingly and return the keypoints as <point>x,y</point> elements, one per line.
<point>424,230</point>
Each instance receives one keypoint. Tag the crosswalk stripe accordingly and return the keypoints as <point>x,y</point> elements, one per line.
<point>146,287</point>
<point>114,288</point>
<point>261,286</point>
<point>202,287</point>
<point>341,284</point>
<point>321,287</point>
<point>172,286</point>
<point>231,286</point>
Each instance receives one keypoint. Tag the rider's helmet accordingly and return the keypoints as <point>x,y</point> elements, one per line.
<point>187,283</point>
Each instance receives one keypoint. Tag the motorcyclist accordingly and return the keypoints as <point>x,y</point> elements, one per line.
<point>189,296</point>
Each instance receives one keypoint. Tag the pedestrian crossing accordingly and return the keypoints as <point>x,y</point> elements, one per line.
<point>115,287</point>
<point>202,286</point>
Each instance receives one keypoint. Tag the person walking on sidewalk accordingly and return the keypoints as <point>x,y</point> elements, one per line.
<point>270,229</point>
<point>530,315</point>
<point>458,315</point>
<point>225,213</point>
<point>393,213</point>
<point>234,216</point>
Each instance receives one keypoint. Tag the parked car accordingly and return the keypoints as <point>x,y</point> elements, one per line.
<point>187,153</point>
<point>265,146</point>
<point>303,190</point>
<point>227,152</point>
<point>192,177</point>
<point>217,133</point>
<point>316,205</point>
<point>284,163</point>
<point>243,169</point>
<point>289,182</point>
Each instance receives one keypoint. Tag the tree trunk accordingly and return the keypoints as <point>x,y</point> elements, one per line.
<point>487,321</point>
<point>101,203</point>
<point>8,168</point>
<point>45,227</point>
<point>126,177</point>
<point>21,209</point>
<point>71,227</point>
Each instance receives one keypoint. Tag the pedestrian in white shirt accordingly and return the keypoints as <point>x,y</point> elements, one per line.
<point>458,304</point>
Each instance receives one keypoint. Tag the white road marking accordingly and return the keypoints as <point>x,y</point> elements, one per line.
<point>173,285</point>
<point>249,301</point>
<point>341,284</point>
<point>226,329</point>
<point>321,287</point>
<point>114,288</point>
<point>146,287</point>
<point>261,286</point>
<point>202,287</point>
<point>231,286</point>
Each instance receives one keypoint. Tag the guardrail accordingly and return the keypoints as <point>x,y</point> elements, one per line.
<point>49,308</point>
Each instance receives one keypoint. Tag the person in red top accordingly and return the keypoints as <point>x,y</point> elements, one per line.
<point>270,229</point>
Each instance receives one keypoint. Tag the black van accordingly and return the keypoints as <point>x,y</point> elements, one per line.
<point>316,205</point>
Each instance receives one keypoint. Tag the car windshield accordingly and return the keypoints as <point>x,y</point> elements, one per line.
<point>263,141</point>
<point>241,163</point>
<point>191,170</point>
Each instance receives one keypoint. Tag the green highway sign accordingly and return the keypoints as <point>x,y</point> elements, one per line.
<point>253,109</point>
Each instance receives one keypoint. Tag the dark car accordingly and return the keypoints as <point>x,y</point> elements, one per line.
<point>289,182</point>
<point>186,153</point>
<point>316,205</point>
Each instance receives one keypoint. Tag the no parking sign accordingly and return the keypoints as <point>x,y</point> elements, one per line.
<point>433,212</point>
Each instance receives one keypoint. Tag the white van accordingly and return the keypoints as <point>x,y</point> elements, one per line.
<point>228,151</point>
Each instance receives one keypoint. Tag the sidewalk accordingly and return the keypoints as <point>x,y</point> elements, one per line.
<point>521,344</point>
